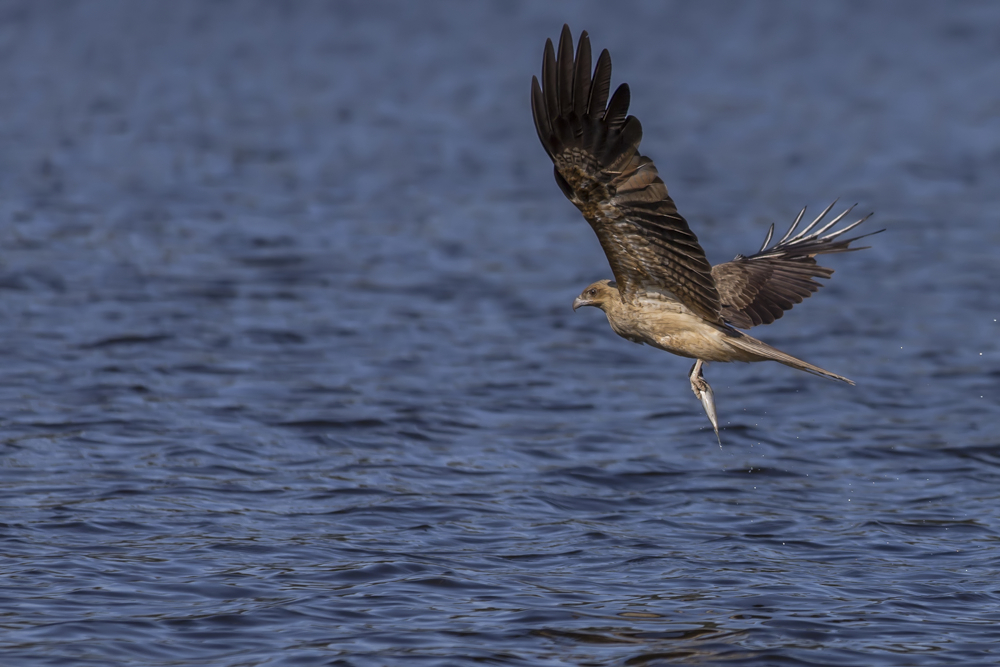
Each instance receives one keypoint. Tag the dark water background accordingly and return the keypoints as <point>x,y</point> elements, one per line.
<point>290,374</point>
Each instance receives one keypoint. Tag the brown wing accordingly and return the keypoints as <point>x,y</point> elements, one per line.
<point>760,288</point>
<point>595,149</point>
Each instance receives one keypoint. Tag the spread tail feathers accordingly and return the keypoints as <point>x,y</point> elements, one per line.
<point>765,351</point>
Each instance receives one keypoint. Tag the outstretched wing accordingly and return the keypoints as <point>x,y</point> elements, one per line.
<point>760,288</point>
<point>595,149</point>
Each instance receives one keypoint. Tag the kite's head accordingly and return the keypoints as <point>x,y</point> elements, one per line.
<point>600,295</point>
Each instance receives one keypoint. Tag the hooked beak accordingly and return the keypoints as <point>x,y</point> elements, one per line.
<point>580,301</point>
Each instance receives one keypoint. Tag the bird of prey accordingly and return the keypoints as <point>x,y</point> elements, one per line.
<point>665,293</point>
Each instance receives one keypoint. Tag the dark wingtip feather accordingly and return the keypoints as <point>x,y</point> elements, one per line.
<point>855,238</point>
<point>549,80</point>
<point>618,108</point>
<point>600,85</point>
<point>631,133</point>
<point>767,239</point>
<point>538,111</point>
<point>564,65</point>
<point>581,76</point>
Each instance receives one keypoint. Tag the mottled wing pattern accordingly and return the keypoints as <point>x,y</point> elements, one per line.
<point>594,145</point>
<point>760,288</point>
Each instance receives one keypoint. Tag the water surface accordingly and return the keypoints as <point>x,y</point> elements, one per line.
<point>290,373</point>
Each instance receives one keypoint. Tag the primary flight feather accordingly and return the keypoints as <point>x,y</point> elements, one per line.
<point>665,293</point>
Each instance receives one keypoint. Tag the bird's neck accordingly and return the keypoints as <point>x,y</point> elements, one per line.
<point>615,308</point>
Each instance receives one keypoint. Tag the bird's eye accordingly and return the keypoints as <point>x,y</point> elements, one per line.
<point>592,292</point>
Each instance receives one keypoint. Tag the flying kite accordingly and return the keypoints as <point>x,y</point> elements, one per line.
<point>665,293</point>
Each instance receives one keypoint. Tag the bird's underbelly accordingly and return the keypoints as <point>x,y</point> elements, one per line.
<point>706,345</point>
<point>680,333</point>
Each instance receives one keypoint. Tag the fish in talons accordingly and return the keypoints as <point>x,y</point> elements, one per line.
<point>703,392</point>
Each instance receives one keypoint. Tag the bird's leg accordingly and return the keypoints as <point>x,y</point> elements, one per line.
<point>704,394</point>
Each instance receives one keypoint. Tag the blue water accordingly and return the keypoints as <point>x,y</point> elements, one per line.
<point>290,374</point>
